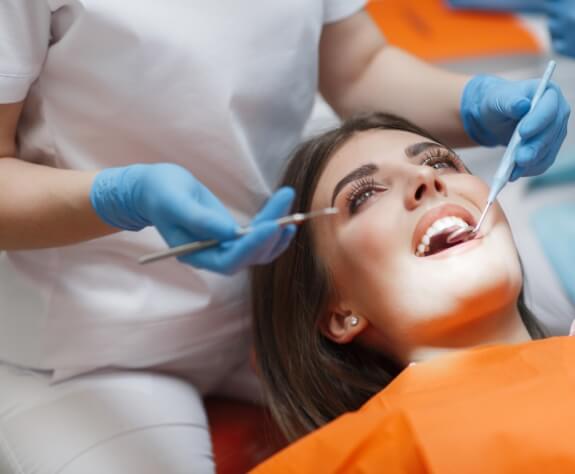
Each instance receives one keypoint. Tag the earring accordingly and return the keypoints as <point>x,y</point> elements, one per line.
<point>353,321</point>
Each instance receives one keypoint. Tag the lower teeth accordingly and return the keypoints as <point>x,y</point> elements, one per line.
<point>442,244</point>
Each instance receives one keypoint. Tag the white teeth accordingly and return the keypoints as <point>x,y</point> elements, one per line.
<point>436,228</point>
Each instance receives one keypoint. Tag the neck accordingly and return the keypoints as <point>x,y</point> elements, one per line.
<point>502,327</point>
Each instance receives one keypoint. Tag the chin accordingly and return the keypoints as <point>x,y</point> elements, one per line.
<point>485,301</point>
<point>465,295</point>
<point>490,266</point>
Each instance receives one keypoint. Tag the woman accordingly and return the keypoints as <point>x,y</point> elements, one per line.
<point>357,296</point>
<point>128,125</point>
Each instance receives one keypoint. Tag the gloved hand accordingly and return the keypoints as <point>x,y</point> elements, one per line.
<point>561,14</point>
<point>491,107</point>
<point>182,209</point>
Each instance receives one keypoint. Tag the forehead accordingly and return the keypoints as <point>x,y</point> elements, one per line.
<point>383,148</point>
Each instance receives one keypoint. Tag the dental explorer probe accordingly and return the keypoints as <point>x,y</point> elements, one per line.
<point>296,218</point>
<point>505,168</point>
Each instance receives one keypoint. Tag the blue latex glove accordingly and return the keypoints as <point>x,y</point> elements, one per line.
<point>183,210</point>
<point>491,108</point>
<point>561,14</point>
<point>497,5</point>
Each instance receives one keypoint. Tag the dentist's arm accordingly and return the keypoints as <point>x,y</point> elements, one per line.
<point>360,72</point>
<point>41,206</point>
<point>44,207</point>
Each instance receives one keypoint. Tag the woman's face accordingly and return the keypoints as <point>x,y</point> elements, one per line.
<point>395,190</point>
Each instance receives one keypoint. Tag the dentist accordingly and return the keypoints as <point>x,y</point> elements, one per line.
<point>128,125</point>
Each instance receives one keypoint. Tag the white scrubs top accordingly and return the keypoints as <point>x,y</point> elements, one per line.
<point>222,87</point>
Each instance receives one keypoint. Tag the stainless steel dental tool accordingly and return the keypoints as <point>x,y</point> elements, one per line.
<point>296,218</point>
<point>506,166</point>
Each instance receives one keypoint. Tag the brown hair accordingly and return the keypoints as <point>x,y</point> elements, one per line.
<point>308,379</point>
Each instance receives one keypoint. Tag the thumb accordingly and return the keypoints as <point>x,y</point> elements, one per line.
<point>277,206</point>
<point>514,106</point>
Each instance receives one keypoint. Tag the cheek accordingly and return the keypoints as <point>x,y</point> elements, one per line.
<point>468,187</point>
<point>367,242</point>
<point>370,256</point>
<point>364,250</point>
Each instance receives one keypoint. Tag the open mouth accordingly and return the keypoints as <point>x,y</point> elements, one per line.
<point>437,225</point>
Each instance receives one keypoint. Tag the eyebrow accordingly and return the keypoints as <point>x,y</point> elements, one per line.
<point>418,148</point>
<point>369,169</point>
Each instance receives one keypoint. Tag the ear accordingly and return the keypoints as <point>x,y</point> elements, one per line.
<point>343,326</point>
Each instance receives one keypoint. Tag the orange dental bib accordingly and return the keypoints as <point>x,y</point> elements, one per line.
<point>496,409</point>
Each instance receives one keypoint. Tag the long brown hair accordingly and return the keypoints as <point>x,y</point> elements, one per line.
<point>308,379</point>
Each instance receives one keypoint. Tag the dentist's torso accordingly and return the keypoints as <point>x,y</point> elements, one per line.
<point>223,88</point>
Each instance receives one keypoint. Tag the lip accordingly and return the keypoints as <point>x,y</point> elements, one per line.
<point>437,213</point>
<point>457,249</point>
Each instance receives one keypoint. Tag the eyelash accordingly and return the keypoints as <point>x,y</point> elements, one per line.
<point>361,189</point>
<point>359,192</point>
<point>440,155</point>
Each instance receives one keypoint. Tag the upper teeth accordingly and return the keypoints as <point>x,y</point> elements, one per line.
<point>436,228</point>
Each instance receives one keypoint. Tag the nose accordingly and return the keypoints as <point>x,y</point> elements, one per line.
<point>422,184</point>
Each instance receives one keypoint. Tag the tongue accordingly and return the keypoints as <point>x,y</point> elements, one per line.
<point>438,242</point>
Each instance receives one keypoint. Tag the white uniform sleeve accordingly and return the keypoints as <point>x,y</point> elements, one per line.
<point>335,10</point>
<point>24,39</point>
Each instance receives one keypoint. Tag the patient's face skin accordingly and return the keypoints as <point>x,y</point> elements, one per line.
<point>370,246</point>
